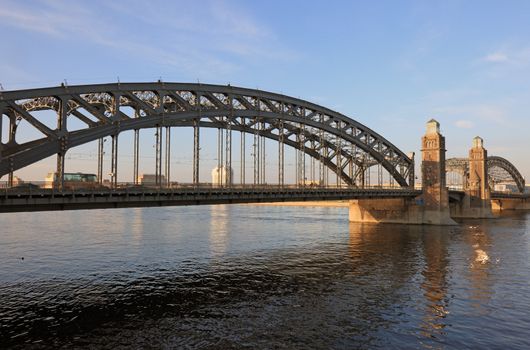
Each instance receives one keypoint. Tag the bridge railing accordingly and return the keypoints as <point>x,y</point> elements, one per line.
<point>44,187</point>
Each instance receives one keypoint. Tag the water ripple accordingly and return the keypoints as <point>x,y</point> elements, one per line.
<point>260,277</point>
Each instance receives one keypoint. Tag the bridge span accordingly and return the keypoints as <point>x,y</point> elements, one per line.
<point>42,199</point>
<point>335,157</point>
<point>17,200</point>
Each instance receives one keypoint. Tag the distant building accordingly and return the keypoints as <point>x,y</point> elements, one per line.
<point>17,181</point>
<point>222,176</point>
<point>505,187</point>
<point>311,183</point>
<point>72,180</point>
<point>150,179</point>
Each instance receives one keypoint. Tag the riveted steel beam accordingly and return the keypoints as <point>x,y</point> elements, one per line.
<point>241,106</point>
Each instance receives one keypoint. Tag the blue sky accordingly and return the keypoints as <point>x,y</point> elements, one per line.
<point>391,65</point>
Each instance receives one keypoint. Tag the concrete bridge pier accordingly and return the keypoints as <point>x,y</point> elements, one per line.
<point>510,204</point>
<point>430,208</point>
<point>477,200</point>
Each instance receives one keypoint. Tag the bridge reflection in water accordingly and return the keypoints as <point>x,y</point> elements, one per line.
<point>232,275</point>
<point>436,273</point>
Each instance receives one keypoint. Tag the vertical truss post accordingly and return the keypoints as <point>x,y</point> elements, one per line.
<point>352,166</point>
<point>196,150</point>
<point>228,150</point>
<point>11,139</point>
<point>242,169</point>
<point>281,154</point>
<point>312,160</point>
<point>10,179</point>
<point>136,160</point>
<point>60,171</point>
<point>114,162</point>
<point>379,168</point>
<point>362,172</point>
<point>61,128</point>
<point>350,171</point>
<point>297,161</point>
<point>301,159</point>
<point>263,155</point>
<point>116,121</point>
<point>326,169</point>
<point>321,156</point>
<point>12,127</point>
<point>303,154</point>
<point>302,148</point>
<point>255,153</point>
<point>158,156</point>
<point>339,162</point>
<point>136,156</point>
<point>219,156</point>
<point>320,167</point>
<point>168,157</point>
<point>100,159</point>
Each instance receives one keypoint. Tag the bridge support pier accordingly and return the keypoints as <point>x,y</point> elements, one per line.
<point>396,210</point>
<point>510,204</point>
<point>476,202</point>
<point>431,207</point>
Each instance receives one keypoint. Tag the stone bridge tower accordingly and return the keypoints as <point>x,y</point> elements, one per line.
<point>477,189</point>
<point>435,196</point>
<point>477,185</point>
<point>431,207</point>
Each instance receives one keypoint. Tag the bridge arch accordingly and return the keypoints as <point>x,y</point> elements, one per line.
<point>499,169</point>
<point>337,141</point>
<point>508,172</point>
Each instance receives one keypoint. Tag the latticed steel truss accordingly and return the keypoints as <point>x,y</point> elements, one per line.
<point>500,170</point>
<point>344,145</point>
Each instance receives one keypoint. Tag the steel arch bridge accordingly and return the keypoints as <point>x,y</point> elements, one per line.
<point>499,170</point>
<point>341,144</point>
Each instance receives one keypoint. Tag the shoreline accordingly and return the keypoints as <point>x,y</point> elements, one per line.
<point>335,204</point>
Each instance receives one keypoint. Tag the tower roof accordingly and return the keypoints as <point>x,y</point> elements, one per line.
<point>478,142</point>
<point>433,126</point>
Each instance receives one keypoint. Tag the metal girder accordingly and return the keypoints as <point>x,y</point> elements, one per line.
<point>457,165</point>
<point>47,199</point>
<point>499,162</point>
<point>178,104</point>
<point>22,113</point>
<point>461,166</point>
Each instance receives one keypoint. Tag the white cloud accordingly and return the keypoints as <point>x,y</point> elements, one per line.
<point>476,113</point>
<point>195,39</point>
<point>496,57</point>
<point>508,58</point>
<point>464,124</point>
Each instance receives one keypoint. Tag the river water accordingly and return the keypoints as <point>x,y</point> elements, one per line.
<point>260,277</point>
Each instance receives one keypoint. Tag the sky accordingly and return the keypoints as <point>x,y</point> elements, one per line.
<point>391,65</point>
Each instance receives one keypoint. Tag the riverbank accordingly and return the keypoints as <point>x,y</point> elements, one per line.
<point>334,204</point>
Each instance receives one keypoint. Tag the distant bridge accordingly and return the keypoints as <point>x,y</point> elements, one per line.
<point>500,170</point>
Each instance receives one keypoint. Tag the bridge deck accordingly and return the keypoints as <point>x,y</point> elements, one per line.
<point>42,200</point>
